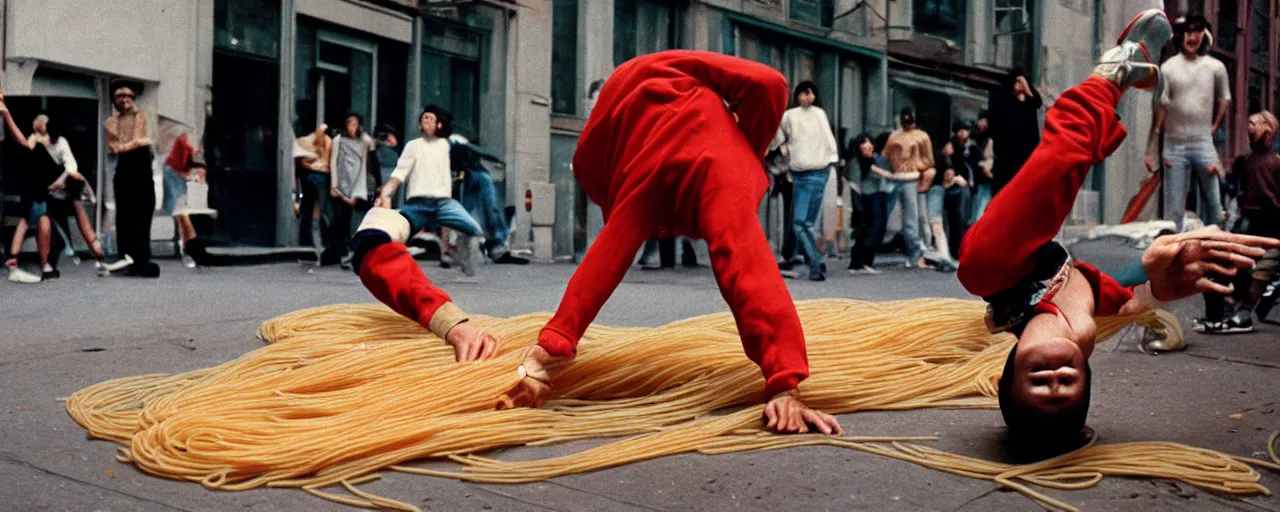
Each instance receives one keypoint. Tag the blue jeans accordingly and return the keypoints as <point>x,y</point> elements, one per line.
<point>981,198</point>
<point>174,187</point>
<point>38,209</point>
<point>478,194</point>
<point>809,188</point>
<point>936,195</point>
<point>905,191</point>
<point>433,212</point>
<point>1183,156</point>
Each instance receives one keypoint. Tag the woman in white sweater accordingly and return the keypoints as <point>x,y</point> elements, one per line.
<point>806,140</point>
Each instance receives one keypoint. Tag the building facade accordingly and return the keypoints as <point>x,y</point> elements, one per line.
<point>247,76</point>
<point>837,44</point>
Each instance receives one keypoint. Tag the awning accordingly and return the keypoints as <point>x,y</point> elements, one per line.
<point>804,36</point>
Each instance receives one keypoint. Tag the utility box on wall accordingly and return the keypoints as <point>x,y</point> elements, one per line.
<point>540,203</point>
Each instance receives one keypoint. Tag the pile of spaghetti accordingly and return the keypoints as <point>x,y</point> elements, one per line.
<point>343,392</point>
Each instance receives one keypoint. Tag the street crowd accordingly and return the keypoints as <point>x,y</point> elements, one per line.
<point>936,189</point>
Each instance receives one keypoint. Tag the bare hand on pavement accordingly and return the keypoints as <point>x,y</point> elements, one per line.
<point>1179,266</point>
<point>471,343</point>
<point>786,414</point>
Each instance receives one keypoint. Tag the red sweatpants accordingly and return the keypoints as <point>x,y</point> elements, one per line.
<point>1080,130</point>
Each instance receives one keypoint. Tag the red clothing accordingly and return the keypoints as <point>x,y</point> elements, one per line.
<point>1080,130</point>
<point>395,279</point>
<point>662,156</point>
<point>180,156</point>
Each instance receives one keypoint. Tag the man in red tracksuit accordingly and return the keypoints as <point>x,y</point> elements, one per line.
<point>674,147</point>
<point>1030,282</point>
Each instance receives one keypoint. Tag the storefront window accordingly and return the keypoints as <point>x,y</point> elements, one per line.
<point>451,74</point>
<point>940,18</point>
<point>247,26</point>
<point>813,12</point>
<point>641,27</point>
<point>564,57</point>
<point>1259,36</point>
<point>1228,17</point>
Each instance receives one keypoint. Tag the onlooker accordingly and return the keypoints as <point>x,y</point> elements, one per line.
<point>981,160</point>
<point>957,175</point>
<point>479,193</point>
<point>1259,216</point>
<point>353,178</point>
<point>872,180</point>
<point>133,183</point>
<point>41,173</point>
<point>313,172</point>
<point>805,138</point>
<point>910,152</point>
<point>430,204</point>
<point>1198,94</point>
<point>387,157</point>
<point>1015,126</point>
<point>183,164</point>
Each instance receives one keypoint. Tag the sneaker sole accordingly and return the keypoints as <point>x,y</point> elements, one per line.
<point>1133,23</point>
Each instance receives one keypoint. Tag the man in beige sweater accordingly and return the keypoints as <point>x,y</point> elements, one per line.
<point>910,153</point>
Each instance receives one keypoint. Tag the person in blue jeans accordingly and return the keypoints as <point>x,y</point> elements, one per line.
<point>980,156</point>
<point>479,194</point>
<point>424,167</point>
<point>1194,108</point>
<point>805,138</point>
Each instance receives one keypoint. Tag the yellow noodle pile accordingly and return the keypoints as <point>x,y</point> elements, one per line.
<point>344,391</point>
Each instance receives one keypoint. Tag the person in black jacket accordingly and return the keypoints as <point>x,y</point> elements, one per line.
<point>1015,126</point>
<point>478,193</point>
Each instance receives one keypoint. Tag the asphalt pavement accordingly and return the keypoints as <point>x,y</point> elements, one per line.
<point>58,337</point>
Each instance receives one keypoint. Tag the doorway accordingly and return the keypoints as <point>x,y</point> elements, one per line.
<point>345,81</point>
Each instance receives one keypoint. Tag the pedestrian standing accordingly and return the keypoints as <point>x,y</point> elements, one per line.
<point>805,138</point>
<point>1259,215</point>
<point>352,174</point>
<point>982,161</point>
<point>1197,97</point>
<point>1015,126</point>
<point>955,195</point>
<point>128,140</point>
<point>872,179</point>
<point>910,152</point>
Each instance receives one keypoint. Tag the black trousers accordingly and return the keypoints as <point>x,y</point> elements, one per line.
<point>783,187</point>
<point>955,207</point>
<point>870,229</point>
<point>135,206</point>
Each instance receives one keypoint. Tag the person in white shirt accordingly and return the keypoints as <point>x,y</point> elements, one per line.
<point>382,261</point>
<point>805,138</point>
<point>1198,94</point>
<point>424,169</point>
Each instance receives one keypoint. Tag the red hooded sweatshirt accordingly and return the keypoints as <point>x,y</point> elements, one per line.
<point>663,156</point>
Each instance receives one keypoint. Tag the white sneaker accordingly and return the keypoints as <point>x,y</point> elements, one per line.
<point>110,268</point>
<point>18,275</point>
<point>188,261</point>
<point>864,271</point>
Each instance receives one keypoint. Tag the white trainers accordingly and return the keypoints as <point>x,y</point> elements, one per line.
<point>18,275</point>
<point>110,268</point>
<point>864,271</point>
